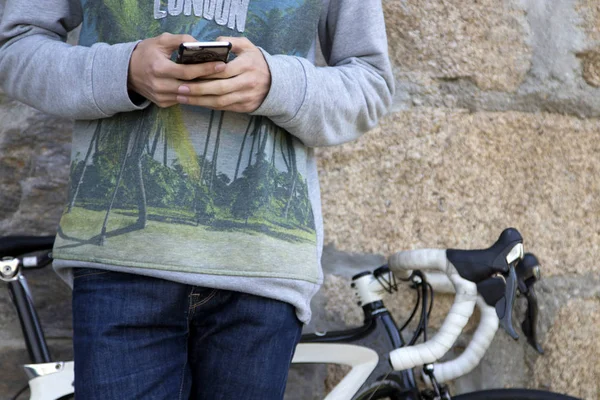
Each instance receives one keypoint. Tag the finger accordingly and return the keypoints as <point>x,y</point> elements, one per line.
<point>165,101</point>
<point>238,44</point>
<point>241,101</point>
<point>235,67</point>
<point>215,102</point>
<point>188,72</point>
<point>171,42</point>
<point>217,87</point>
<point>165,86</point>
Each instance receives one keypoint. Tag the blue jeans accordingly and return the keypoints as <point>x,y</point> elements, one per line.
<point>137,337</point>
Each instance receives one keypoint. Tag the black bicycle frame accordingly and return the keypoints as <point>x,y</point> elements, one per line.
<point>30,323</point>
<point>379,333</point>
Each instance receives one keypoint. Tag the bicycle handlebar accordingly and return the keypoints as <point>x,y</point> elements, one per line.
<point>528,272</point>
<point>475,350</point>
<point>458,316</point>
<point>465,269</point>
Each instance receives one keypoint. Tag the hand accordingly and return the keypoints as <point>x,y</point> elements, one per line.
<point>239,86</point>
<point>153,75</point>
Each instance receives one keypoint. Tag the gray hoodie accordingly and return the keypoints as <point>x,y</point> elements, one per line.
<point>203,197</point>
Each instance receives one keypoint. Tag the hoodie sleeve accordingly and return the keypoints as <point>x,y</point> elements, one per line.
<point>325,106</point>
<point>38,68</point>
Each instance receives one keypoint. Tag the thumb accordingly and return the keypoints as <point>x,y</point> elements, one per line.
<point>170,42</point>
<point>238,44</point>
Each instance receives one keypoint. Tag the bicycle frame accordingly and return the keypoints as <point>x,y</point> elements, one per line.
<point>366,350</point>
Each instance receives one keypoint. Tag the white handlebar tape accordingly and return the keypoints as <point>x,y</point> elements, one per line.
<point>472,355</point>
<point>458,316</point>
<point>439,282</point>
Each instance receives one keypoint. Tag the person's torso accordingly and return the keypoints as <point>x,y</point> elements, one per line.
<point>188,188</point>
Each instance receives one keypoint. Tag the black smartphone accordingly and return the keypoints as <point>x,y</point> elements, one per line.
<point>201,52</point>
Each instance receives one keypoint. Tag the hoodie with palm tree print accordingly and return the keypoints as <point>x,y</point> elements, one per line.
<point>204,197</point>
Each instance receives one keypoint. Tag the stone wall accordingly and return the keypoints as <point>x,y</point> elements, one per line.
<point>440,177</point>
<point>495,124</point>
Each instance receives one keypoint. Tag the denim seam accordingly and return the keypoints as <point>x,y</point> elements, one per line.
<point>205,300</point>
<point>190,310</point>
<point>183,374</point>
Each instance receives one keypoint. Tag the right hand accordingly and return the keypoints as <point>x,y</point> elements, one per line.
<point>153,75</point>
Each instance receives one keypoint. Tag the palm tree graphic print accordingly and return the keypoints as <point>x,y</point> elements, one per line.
<point>185,173</point>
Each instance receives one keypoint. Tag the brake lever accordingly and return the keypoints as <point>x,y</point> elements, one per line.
<point>529,324</point>
<point>504,307</point>
<point>528,271</point>
<point>492,289</point>
<point>495,291</point>
<point>500,292</point>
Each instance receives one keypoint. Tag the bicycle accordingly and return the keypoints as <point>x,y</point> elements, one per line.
<point>383,364</point>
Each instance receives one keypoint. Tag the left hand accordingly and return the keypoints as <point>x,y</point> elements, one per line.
<point>240,85</point>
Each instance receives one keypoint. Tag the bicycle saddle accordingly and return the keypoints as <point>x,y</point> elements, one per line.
<point>13,246</point>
